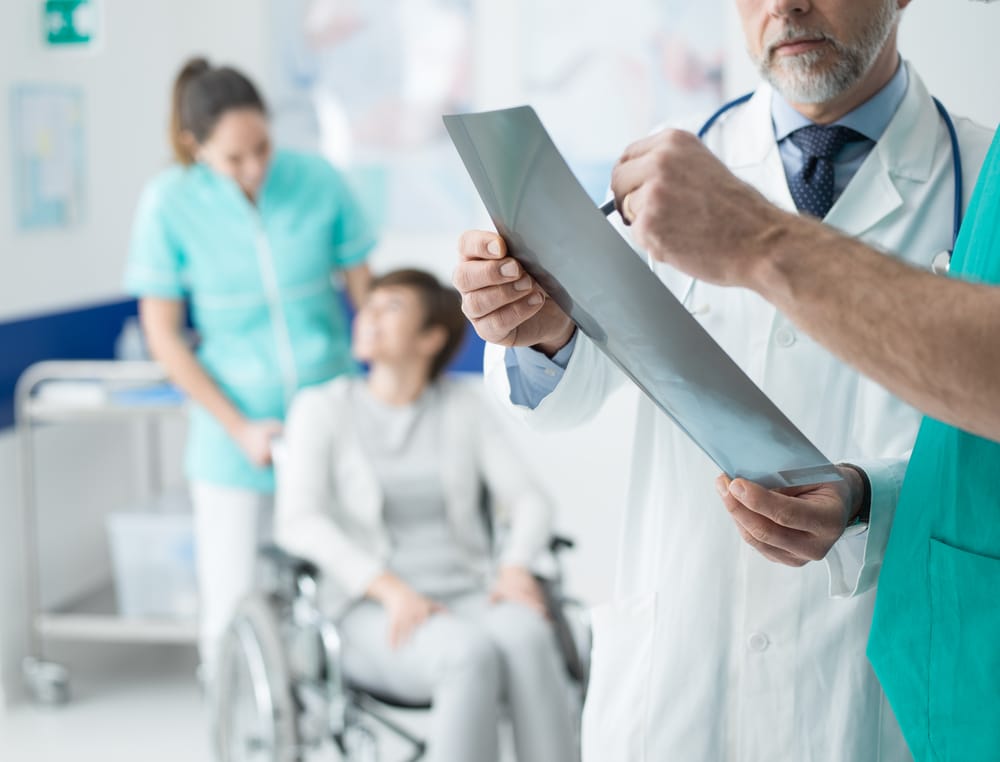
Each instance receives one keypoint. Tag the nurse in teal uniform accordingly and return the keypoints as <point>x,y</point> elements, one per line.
<point>255,239</point>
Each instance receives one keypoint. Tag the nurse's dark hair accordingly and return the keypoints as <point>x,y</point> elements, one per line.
<point>442,307</point>
<point>202,94</point>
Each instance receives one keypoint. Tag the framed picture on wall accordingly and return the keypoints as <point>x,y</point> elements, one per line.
<point>600,80</point>
<point>48,155</point>
<point>366,82</point>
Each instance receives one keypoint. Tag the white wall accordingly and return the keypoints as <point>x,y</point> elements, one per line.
<point>126,85</point>
<point>952,43</point>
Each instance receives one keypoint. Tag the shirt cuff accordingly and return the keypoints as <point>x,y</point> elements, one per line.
<point>855,560</point>
<point>146,281</point>
<point>532,375</point>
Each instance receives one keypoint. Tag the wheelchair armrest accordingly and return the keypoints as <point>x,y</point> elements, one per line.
<point>284,561</point>
<point>558,543</point>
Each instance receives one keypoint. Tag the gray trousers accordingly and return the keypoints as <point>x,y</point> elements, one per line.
<point>469,661</point>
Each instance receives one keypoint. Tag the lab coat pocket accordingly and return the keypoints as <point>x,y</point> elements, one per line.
<point>614,721</point>
<point>964,666</point>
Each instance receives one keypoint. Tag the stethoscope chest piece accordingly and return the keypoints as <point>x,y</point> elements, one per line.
<point>941,263</point>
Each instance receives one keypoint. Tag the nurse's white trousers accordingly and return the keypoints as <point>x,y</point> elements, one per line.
<point>230,524</point>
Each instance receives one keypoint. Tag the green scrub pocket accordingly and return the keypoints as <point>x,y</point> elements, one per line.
<point>964,667</point>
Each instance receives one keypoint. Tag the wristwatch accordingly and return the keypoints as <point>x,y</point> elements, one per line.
<point>865,512</point>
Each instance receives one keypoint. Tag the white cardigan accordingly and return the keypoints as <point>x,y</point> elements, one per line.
<point>329,502</point>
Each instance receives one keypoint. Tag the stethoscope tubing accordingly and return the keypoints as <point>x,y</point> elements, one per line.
<point>956,156</point>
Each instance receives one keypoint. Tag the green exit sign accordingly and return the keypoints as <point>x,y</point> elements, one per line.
<point>70,22</point>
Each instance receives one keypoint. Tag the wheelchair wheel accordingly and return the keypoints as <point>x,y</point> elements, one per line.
<point>361,744</point>
<point>253,713</point>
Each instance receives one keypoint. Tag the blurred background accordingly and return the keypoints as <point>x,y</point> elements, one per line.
<point>84,91</point>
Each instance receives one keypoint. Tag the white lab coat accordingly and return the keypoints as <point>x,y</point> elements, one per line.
<point>710,653</point>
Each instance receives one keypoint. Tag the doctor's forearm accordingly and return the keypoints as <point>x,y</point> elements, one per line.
<point>930,340</point>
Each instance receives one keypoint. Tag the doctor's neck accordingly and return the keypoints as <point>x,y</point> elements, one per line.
<point>879,74</point>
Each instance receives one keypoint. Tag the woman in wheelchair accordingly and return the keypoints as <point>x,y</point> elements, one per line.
<point>381,488</point>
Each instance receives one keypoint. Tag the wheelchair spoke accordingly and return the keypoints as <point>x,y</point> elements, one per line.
<point>253,713</point>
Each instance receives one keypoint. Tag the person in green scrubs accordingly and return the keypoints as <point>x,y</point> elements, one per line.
<point>933,342</point>
<point>935,641</point>
<point>255,240</point>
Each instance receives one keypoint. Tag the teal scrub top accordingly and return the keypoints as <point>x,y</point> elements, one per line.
<point>935,641</point>
<point>259,281</point>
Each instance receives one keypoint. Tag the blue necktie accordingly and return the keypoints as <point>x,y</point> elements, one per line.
<point>812,187</point>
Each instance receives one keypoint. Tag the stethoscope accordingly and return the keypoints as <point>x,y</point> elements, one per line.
<point>942,261</point>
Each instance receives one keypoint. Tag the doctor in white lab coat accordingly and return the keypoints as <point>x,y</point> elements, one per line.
<point>710,652</point>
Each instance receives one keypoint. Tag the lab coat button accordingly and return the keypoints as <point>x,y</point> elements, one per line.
<point>549,372</point>
<point>785,337</point>
<point>758,642</point>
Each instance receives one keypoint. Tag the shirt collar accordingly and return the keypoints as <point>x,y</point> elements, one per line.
<point>870,118</point>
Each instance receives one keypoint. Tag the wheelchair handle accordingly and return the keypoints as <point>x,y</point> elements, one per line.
<point>285,561</point>
<point>559,543</point>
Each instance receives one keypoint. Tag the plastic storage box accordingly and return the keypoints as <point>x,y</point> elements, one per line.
<point>152,554</point>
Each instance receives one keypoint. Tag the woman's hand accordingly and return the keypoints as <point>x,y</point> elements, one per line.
<point>407,609</point>
<point>518,585</point>
<point>255,438</point>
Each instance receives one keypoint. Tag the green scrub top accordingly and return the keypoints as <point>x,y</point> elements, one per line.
<point>935,641</point>
<point>259,281</point>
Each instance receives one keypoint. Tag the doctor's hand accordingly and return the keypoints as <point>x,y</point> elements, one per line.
<point>797,525</point>
<point>688,210</point>
<point>518,585</point>
<point>504,304</point>
<point>255,438</point>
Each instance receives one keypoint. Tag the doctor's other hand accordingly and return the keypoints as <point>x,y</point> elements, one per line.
<point>504,304</point>
<point>255,439</point>
<point>515,584</point>
<point>405,607</point>
<point>793,526</point>
<point>688,210</point>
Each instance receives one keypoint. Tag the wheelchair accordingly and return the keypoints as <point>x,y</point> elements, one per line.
<point>281,694</point>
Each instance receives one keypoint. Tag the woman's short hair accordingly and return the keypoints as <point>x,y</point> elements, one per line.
<point>442,307</point>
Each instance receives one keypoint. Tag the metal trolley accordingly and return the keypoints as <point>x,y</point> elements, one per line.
<point>91,617</point>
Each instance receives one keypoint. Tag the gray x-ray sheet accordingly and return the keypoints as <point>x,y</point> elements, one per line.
<point>553,228</point>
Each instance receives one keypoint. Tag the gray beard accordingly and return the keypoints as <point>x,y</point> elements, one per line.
<point>798,79</point>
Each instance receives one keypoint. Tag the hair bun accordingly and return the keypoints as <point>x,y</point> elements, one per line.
<point>193,67</point>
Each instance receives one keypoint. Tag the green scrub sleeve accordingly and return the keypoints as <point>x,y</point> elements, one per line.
<point>353,237</point>
<point>155,260</point>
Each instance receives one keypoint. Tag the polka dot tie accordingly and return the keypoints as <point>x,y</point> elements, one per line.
<point>812,186</point>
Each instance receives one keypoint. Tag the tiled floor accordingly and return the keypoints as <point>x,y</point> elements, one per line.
<point>143,706</point>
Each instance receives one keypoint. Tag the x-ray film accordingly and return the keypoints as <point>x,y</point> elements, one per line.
<point>561,238</point>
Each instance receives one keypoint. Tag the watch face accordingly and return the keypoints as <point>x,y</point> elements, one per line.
<point>941,263</point>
